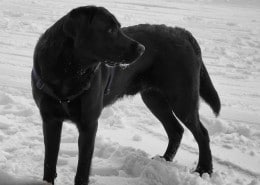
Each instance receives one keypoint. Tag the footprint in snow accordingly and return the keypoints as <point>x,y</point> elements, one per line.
<point>231,24</point>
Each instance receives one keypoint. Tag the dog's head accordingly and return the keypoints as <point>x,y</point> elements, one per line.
<point>97,35</point>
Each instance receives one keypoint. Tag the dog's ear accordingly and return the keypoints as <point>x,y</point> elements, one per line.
<point>69,25</point>
<point>77,16</point>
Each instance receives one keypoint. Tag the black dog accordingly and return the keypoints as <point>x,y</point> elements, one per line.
<point>85,62</point>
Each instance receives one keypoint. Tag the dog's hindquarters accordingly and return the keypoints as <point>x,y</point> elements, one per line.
<point>181,78</point>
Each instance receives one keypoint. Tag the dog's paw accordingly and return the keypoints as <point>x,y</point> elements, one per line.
<point>165,158</point>
<point>46,183</point>
<point>157,157</point>
<point>202,170</point>
<point>160,158</point>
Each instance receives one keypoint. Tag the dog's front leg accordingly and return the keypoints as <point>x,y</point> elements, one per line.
<point>52,133</point>
<point>86,143</point>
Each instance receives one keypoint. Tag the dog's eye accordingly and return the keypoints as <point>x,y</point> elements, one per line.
<point>111,31</point>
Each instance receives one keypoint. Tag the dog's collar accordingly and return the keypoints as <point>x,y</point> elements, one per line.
<point>44,87</point>
<point>111,74</point>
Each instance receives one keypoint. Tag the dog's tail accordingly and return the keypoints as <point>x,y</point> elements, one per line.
<point>208,91</point>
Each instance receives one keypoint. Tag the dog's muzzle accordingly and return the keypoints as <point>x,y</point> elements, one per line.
<point>140,51</point>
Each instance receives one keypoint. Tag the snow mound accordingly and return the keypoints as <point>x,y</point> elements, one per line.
<point>113,162</point>
<point>7,179</point>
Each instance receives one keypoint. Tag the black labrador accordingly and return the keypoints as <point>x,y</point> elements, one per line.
<point>86,61</point>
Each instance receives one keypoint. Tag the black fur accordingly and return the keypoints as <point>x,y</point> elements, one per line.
<point>170,76</point>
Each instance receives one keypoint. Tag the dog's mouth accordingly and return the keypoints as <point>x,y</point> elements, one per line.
<point>111,63</point>
<point>124,63</point>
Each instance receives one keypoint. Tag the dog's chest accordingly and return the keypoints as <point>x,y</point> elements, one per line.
<point>75,78</point>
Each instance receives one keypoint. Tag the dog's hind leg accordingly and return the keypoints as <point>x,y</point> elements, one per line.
<point>200,134</point>
<point>52,134</point>
<point>205,158</point>
<point>159,106</point>
<point>186,109</point>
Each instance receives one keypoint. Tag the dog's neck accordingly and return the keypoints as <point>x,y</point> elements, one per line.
<point>74,75</point>
<point>78,70</point>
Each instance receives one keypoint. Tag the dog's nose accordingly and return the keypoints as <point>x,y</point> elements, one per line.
<point>140,49</point>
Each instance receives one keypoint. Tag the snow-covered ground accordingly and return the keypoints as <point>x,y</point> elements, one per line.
<point>129,135</point>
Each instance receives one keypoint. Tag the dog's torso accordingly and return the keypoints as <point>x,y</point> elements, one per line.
<point>143,74</point>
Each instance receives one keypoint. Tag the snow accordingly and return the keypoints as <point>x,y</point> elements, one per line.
<point>129,136</point>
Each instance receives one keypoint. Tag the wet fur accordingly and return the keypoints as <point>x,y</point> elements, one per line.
<point>170,76</point>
